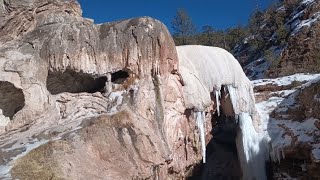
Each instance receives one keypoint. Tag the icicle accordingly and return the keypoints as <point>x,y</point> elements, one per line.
<point>233,97</point>
<point>218,101</point>
<point>276,153</point>
<point>200,117</point>
<point>253,157</point>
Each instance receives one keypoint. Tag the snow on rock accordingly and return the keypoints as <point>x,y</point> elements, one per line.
<point>301,25</point>
<point>205,70</point>
<point>316,152</point>
<point>3,119</point>
<point>307,2</point>
<point>283,133</point>
<point>256,69</point>
<point>296,22</point>
<point>27,147</point>
<point>280,139</point>
<point>287,80</point>
<point>308,22</point>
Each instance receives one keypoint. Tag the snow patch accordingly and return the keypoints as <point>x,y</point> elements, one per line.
<point>308,22</point>
<point>3,119</point>
<point>256,69</point>
<point>116,98</point>
<point>307,2</point>
<point>286,80</point>
<point>280,132</point>
<point>6,168</point>
<point>316,153</point>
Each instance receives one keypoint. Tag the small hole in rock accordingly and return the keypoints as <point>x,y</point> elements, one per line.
<point>119,77</point>
<point>11,99</point>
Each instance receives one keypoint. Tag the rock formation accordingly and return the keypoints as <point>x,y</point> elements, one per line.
<point>77,93</point>
<point>289,110</point>
<point>83,101</point>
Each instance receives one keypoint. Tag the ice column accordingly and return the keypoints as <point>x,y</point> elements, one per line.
<point>218,101</point>
<point>200,117</point>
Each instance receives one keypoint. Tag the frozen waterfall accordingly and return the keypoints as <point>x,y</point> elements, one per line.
<point>200,117</point>
<point>206,70</point>
<point>252,149</point>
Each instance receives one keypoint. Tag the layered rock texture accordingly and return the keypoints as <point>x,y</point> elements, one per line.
<point>83,101</point>
<point>108,101</point>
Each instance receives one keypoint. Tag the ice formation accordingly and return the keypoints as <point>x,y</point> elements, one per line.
<point>200,117</point>
<point>3,119</point>
<point>253,156</point>
<point>218,95</point>
<point>204,71</point>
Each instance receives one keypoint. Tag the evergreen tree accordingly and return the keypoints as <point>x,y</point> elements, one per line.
<point>236,35</point>
<point>183,27</point>
<point>272,58</point>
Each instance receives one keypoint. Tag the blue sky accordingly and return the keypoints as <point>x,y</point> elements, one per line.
<point>221,14</point>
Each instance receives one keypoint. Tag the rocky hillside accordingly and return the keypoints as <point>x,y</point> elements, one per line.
<point>285,43</point>
<point>289,109</point>
<point>288,104</point>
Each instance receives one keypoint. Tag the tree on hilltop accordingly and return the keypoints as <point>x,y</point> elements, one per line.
<point>183,27</point>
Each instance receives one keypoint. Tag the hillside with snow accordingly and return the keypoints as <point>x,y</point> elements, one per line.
<point>289,109</point>
<point>293,49</point>
<point>286,80</point>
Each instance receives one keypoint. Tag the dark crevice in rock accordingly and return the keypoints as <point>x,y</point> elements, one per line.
<point>74,82</point>
<point>119,77</point>
<point>221,151</point>
<point>11,99</point>
<point>187,113</point>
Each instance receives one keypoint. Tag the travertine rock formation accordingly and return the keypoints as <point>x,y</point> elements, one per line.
<point>102,95</point>
<point>213,77</point>
<point>107,101</point>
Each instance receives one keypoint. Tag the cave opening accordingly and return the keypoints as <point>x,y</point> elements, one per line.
<point>11,99</point>
<point>221,151</point>
<point>119,77</point>
<point>74,82</point>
